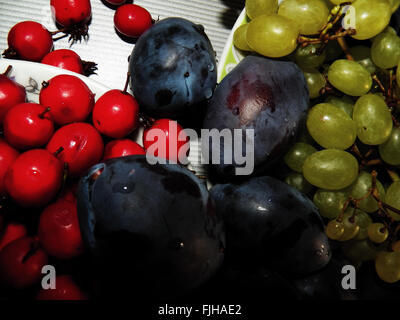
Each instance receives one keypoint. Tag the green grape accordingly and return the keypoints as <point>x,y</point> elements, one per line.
<point>373,119</point>
<point>239,38</point>
<point>330,203</point>
<point>364,221</point>
<point>378,233</point>
<point>351,227</point>
<point>396,246</point>
<point>371,17</point>
<point>362,55</point>
<point>297,155</point>
<point>315,81</point>
<point>361,187</point>
<point>308,57</point>
<point>345,103</point>
<point>394,4</point>
<point>385,50</point>
<point>390,150</point>
<point>309,15</point>
<point>297,181</point>
<point>387,265</point>
<point>255,8</point>
<point>334,229</point>
<point>349,77</point>
<point>359,250</point>
<point>331,127</point>
<point>331,169</point>
<point>392,198</point>
<point>305,137</point>
<point>272,35</point>
<point>333,51</point>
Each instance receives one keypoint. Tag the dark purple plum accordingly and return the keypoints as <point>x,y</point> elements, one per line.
<point>151,229</point>
<point>266,95</point>
<point>271,223</point>
<point>173,68</point>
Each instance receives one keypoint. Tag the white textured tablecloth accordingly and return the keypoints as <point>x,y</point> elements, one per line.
<point>104,46</point>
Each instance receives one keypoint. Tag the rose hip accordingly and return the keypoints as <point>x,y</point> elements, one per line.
<point>7,157</point>
<point>66,289</point>
<point>122,148</point>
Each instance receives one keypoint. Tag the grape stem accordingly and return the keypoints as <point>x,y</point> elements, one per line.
<point>342,43</point>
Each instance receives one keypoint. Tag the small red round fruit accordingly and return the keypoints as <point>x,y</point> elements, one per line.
<point>116,114</point>
<point>83,147</point>
<point>69,191</point>
<point>122,148</point>
<point>132,20</point>
<point>66,289</point>
<point>59,232</point>
<point>12,231</point>
<point>172,136</point>
<point>68,97</point>
<point>7,157</point>
<point>30,40</point>
<point>11,94</point>
<point>116,2</point>
<point>28,125</point>
<point>21,263</point>
<point>64,59</point>
<point>34,178</point>
<point>71,12</point>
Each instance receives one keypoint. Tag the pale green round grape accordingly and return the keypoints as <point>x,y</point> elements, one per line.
<point>297,180</point>
<point>297,155</point>
<point>394,4</point>
<point>309,15</point>
<point>349,77</point>
<point>359,250</point>
<point>393,199</point>
<point>308,57</point>
<point>255,8</point>
<point>373,119</point>
<point>239,38</point>
<point>330,203</point>
<point>331,127</point>
<point>364,221</point>
<point>331,169</point>
<point>362,55</point>
<point>361,187</point>
<point>385,50</point>
<point>315,81</point>
<point>371,17</point>
<point>390,150</point>
<point>345,103</point>
<point>272,35</point>
<point>387,266</point>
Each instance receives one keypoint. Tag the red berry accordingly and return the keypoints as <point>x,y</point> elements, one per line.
<point>21,263</point>
<point>66,289</point>
<point>11,94</point>
<point>69,99</point>
<point>122,148</point>
<point>71,12</point>
<point>7,157</point>
<point>171,131</point>
<point>59,232</point>
<point>34,178</point>
<point>115,2</point>
<point>69,191</point>
<point>13,231</point>
<point>30,40</point>
<point>83,147</point>
<point>28,125</point>
<point>116,114</point>
<point>64,59</point>
<point>132,20</point>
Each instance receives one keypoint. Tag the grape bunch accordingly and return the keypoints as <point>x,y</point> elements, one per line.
<point>347,159</point>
